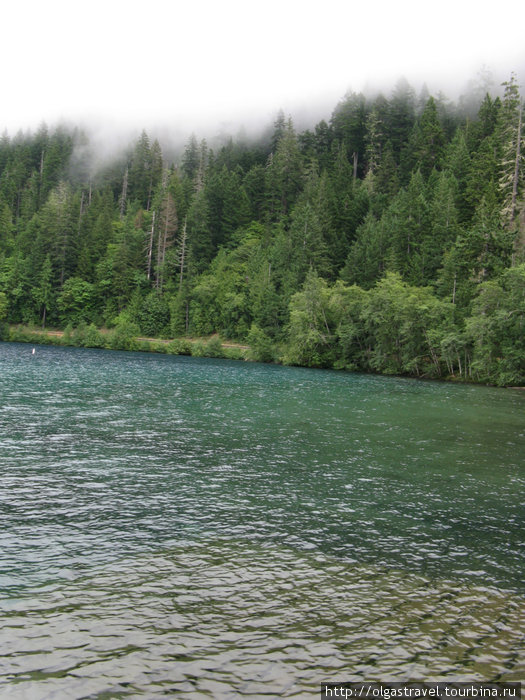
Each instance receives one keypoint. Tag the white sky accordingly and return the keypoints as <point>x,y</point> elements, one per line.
<point>193,64</point>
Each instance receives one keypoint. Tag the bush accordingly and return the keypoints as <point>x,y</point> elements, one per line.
<point>123,337</point>
<point>148,346</point>
<point>93,338</point>
<point>261,346</point>
<point>179,347</point>
<point>213,347</point>
<point>154,316</point>
<point>234,353</point>
<point>198,349</point>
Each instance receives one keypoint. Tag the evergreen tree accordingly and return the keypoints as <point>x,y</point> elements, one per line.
<point>349,125</point>
<point>401,117</point>
<point>279,129</point>
<point>191,159</point>
<point>284,174</point>
<point>366,260</point>
<point>429,140</point>
<point>411,225</point>
<point>44,292</point>
<point>140,172</point>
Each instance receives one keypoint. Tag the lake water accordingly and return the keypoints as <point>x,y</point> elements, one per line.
<point>181,527</point>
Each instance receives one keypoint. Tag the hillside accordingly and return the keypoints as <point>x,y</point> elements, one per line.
<point>388,238</point>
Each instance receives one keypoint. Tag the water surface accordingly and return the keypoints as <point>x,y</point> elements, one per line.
<point>204,528</point>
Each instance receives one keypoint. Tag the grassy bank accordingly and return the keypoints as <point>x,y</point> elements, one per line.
<point>124,338</point>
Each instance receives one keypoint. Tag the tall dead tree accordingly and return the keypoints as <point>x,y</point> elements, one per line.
<point>182,254</point>
<point>150,245</point>
<point>165,236</point>
<point>123,195</point>
<point>511,137</point>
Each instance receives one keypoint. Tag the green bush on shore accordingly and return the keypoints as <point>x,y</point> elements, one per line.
<point>122,337</point>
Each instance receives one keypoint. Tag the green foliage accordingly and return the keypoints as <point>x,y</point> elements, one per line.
<point>497,329</point>
<point>3,306</point>
<point>398,320</point>
<point>310,339</point>
<point>347,305</point>
<point>198,349</point>
<point>262,349</point>
<point>75,301</point>
<point>179,347</point>
<point>221,298</point>
<point>4,328</point>
<point>233,353</point>
<point>284,174</point>
<point>366,259</point>
<point>386,238</point>
<point>154,316</point>
<point>213,347</point>
<point>123,337</point>
<point>93,338</point>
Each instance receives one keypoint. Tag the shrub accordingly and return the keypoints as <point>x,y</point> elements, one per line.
<point>179,346</point>
<point>123,337</point>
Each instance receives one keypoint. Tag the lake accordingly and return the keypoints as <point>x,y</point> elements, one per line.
<point>196,528</point>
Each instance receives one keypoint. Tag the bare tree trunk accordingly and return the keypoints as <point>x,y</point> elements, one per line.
<point>182,254</point>
<point>124,194</point>
<point>162,253</point>
<point>515,179</point>
<point>158,271</point>
<point>80,212</point>
<point>150,244</point>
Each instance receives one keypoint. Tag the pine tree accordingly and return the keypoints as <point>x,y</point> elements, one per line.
<point>308,230</point>
<point>457,162</point>
<point>284,174</point>
<point>410,221</point>
<point>140,176</point>
<point>429,140</point>
<point>366,260</point>
<point>44,292</point>
<point>401,116</point>
<point>57,223</point>
<point>349,127</point>
<point>198,231</point>
<point>279,129</point>
<point>191,159</point>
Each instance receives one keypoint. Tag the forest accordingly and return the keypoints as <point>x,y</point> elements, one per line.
<point>389,238</point>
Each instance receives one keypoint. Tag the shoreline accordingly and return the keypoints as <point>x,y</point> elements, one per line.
<point>112,339</point>
<point>212,347</point>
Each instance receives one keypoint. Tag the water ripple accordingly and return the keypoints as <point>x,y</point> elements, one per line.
<point>216,529</point>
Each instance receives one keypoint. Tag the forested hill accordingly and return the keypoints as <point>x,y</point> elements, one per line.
<point>389,238</point>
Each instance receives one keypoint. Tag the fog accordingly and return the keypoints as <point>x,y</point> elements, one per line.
<point>211,67</point>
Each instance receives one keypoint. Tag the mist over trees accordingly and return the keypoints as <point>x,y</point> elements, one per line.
<point>389,237</point>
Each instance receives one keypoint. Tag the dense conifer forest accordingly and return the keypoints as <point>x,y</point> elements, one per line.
<point>389,238</point>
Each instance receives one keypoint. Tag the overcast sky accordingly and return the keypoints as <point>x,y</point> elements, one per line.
<point>195,64</point>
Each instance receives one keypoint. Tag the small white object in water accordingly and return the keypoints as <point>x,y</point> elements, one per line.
<point>33,351</point>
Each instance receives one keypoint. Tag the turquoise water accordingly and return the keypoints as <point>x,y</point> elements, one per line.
<point>175,526</point>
